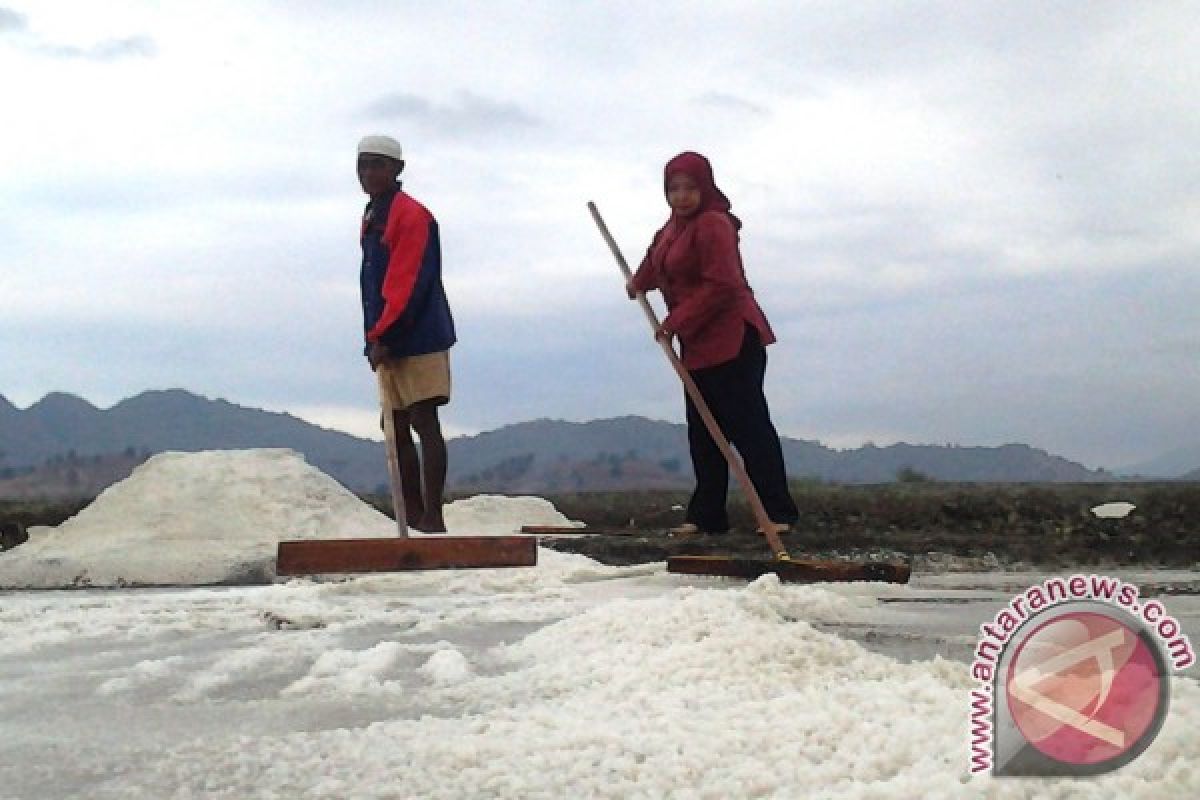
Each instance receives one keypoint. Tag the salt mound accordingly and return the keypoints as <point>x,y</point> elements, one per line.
<point>193,519</point>
<point>216,517</point>
<point>497,515</point>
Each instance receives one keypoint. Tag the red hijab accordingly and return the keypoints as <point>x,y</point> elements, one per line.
<point>696,167</point>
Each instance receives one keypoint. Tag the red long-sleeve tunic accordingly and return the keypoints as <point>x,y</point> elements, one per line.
<point>696,264</point>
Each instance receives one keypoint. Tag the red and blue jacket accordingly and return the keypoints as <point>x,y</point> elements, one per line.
<point>404,302</point>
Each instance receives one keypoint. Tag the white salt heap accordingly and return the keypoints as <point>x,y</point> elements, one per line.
<point>493,515</point>
<point>572,679</point>
<point>621,687</point>
<point>187,519</point>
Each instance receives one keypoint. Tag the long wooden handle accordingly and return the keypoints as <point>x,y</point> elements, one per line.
<point>693,391</point>
<point>393,457</point>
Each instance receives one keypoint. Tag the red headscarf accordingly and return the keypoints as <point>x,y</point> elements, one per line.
<point>696,167</point>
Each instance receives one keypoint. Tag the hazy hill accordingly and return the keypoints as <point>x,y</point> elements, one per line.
<point>552,455</point>
<point>1169,465</point>
<point>63,444</point>
<point>871,464</point>
<point>548,455</point>
<point>173,419</point>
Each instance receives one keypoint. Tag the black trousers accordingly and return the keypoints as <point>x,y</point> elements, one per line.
<point>734,394</point>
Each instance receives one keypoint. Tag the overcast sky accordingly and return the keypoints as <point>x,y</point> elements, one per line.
<point>968,222</point>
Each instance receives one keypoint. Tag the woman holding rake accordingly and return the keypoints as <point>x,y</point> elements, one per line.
<point>695,261</point>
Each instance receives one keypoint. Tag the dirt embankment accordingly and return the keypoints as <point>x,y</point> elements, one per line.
<point>979,525</point>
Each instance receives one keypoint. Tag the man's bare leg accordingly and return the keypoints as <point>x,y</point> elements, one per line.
<point>410,469</point>
<point>424,419</point>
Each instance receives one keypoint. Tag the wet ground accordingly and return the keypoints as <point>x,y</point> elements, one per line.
<point>941,613</point>
<point>947,599</point>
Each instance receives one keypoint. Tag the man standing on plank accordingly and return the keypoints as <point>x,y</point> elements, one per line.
<point>407,324</point>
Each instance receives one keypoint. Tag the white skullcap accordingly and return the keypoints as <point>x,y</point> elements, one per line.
<point>381,146</point>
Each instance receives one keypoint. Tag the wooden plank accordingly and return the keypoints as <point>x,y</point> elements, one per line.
<point>792,571</point>
<point>317,556</point>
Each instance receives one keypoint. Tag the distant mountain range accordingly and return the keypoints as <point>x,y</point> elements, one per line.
<point>63,426</point>
<point>1182,463</point>
<point>64,445</point>
<point>625,452</point>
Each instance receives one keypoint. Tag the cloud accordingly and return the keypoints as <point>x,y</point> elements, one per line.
<point>105,50</point>
<point>721,100</point>
<point>112,49</point>
<point>469,113</point>
<point>965,225</point>
<point>12,21</point>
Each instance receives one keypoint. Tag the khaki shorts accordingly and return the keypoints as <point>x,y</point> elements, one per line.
<point>412,379</point>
